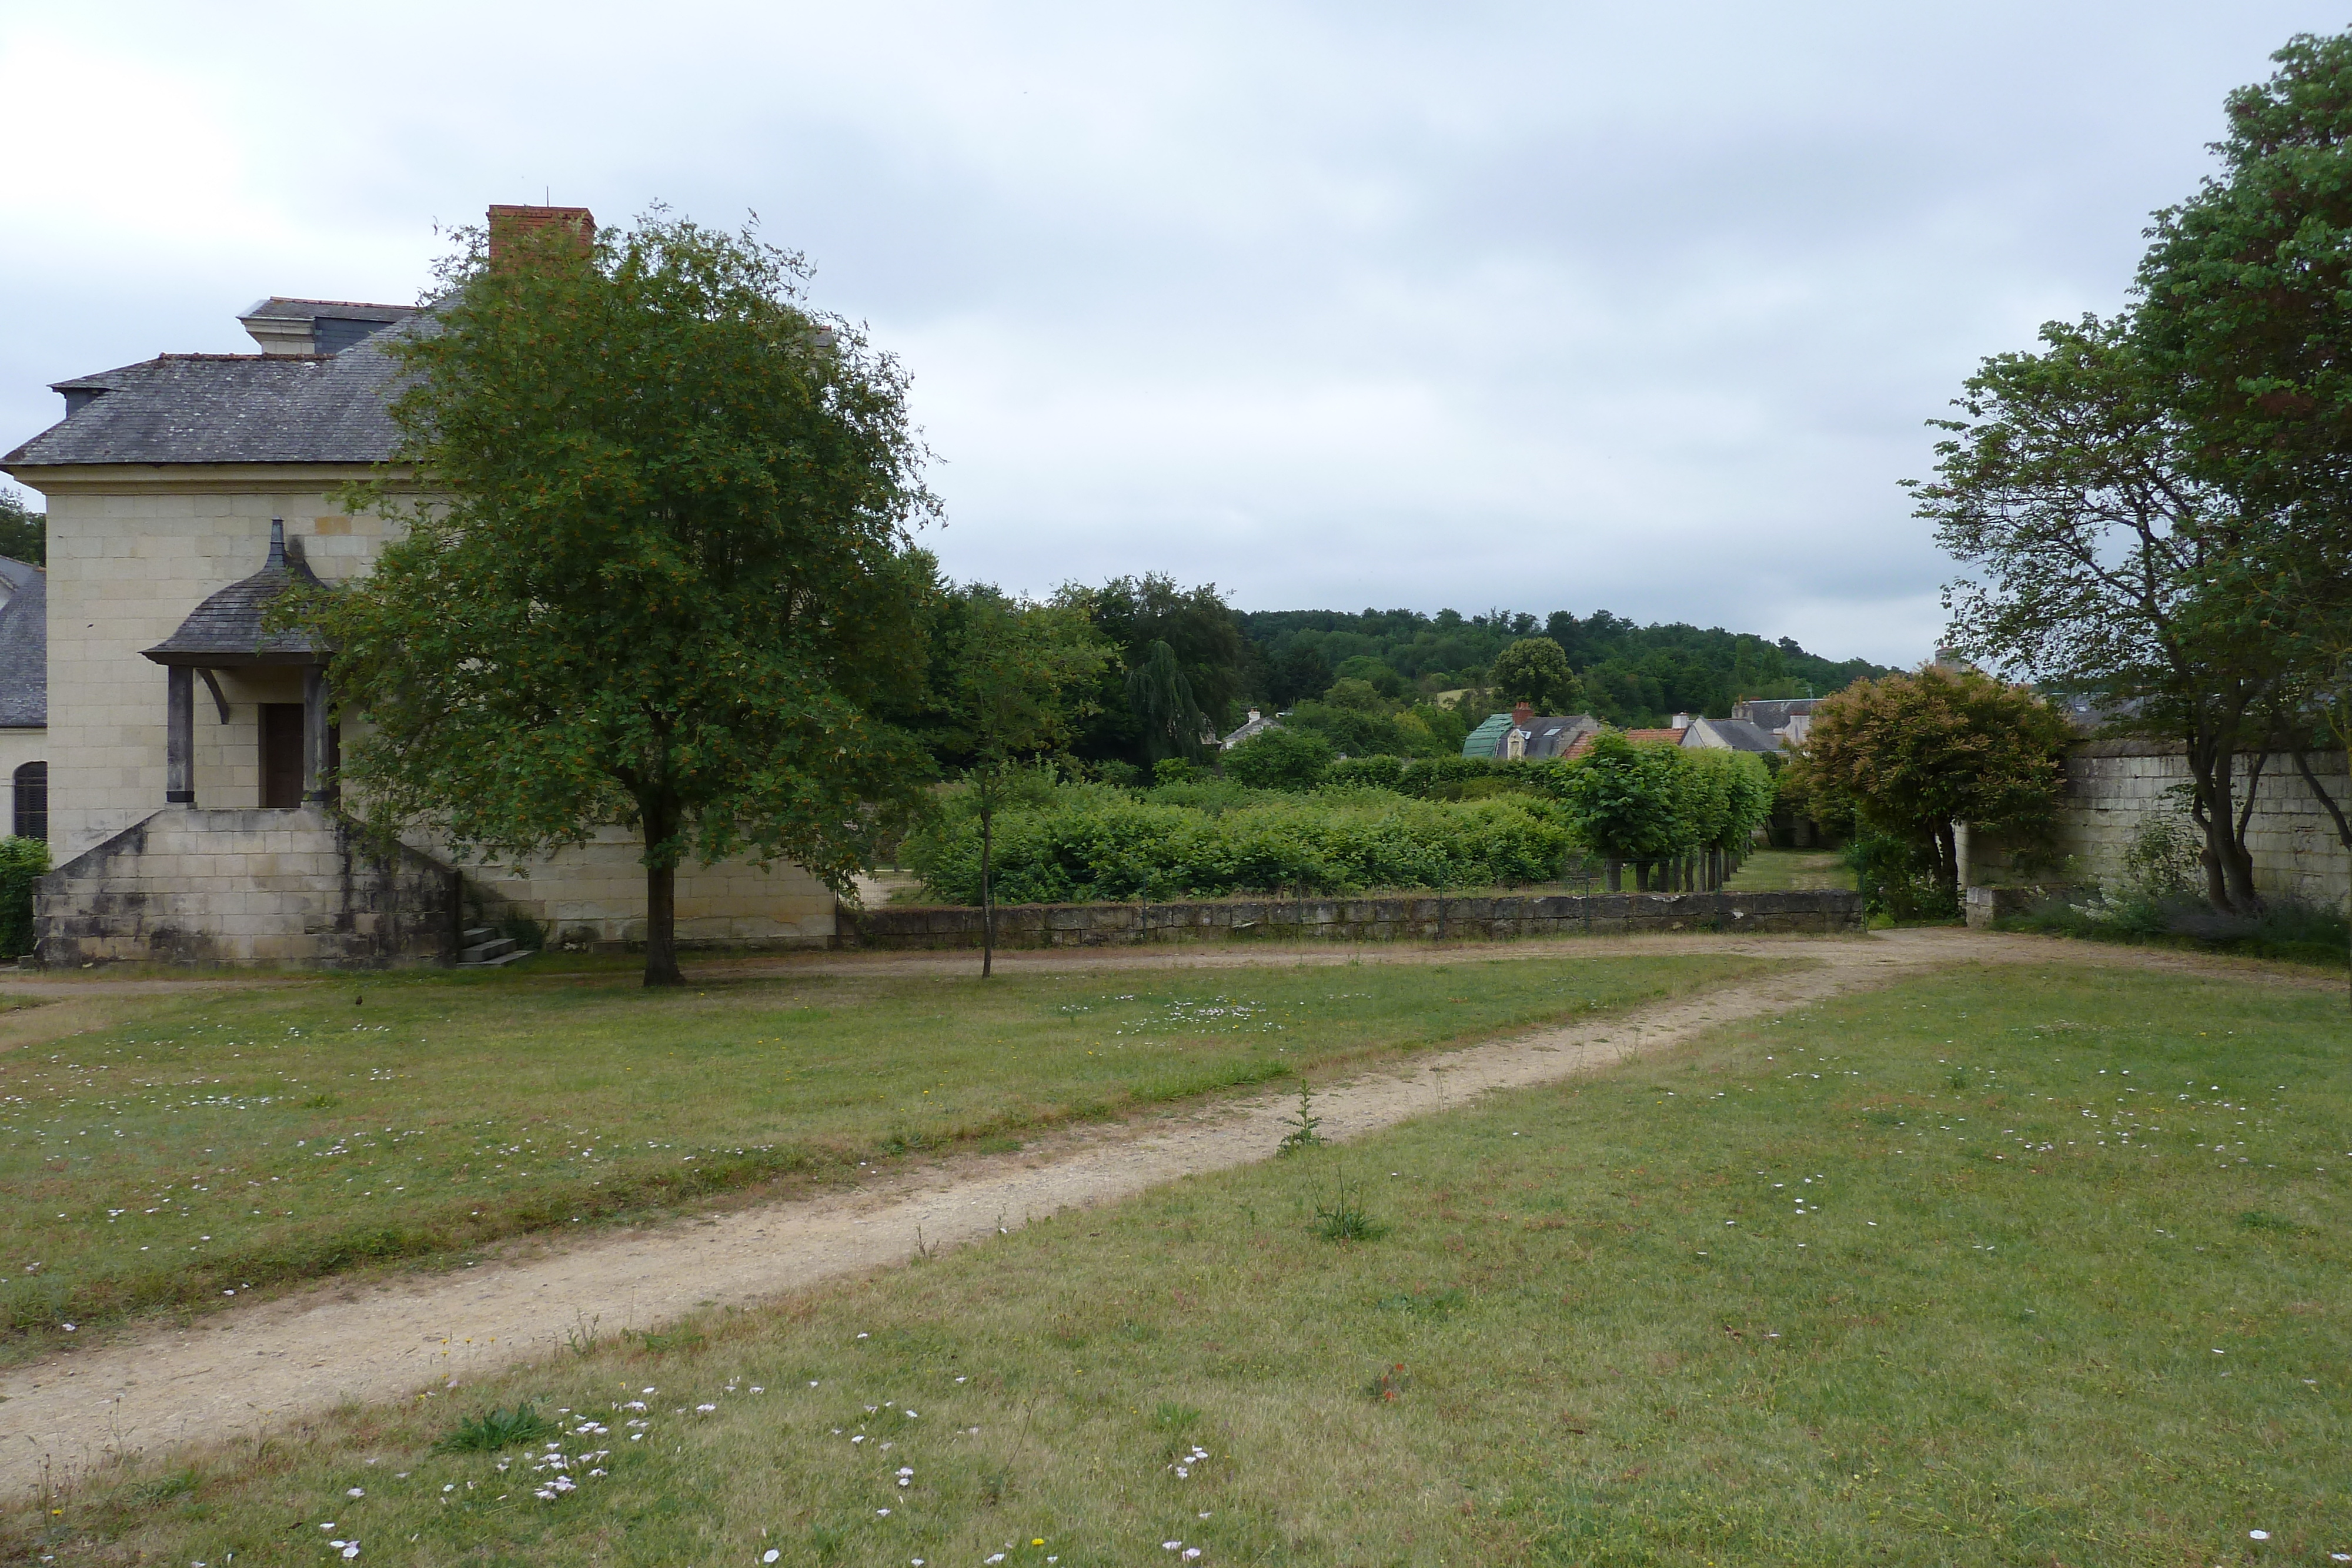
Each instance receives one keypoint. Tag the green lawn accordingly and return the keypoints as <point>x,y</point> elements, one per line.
<point>1787,871</point>
<point>2010,1267</point>
<point>156,1152</point>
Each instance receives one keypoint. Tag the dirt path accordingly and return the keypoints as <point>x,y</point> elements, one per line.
<point>246,1370</point>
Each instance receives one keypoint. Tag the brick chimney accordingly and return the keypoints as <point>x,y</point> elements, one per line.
<point>510,224</point>
<point>1521,716</point>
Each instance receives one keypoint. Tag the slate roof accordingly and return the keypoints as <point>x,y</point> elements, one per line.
<point>1770,714</point>
<point>1257,724</point>
<point>225,408</point>
<point>24,648</point>
<point>225,630</point>
<point>1554,735</point>
<point>1733,734</point>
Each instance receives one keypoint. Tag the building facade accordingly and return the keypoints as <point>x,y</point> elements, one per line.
<point>190,801</point>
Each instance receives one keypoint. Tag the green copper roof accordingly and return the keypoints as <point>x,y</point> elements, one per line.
<point>1486,741</point>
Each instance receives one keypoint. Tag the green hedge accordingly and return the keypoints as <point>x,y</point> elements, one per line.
<point>21,863</point>
<point>1097,844</point>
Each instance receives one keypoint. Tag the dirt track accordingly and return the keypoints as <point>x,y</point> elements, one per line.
<point>249,1369</point>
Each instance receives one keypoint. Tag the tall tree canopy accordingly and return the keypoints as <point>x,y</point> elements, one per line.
<point>2072,491</point>
<point>24,533</point>
<point>2247,313</point>
<point>1534,670</point>
<point>664,577</point>
<point>1218,667</point>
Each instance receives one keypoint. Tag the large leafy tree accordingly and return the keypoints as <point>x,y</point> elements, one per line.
<point>1916,753</point>
<point>1625,801</point>
<point>1534,670</point>
<point>2247,311</point>
<point>662,579</point>
<point>1219,666</point>
<point>2104,563</point>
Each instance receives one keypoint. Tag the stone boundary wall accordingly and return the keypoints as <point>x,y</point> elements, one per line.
<point>2113,785</point>
<point>295,887</point>
<point>1419,916</point>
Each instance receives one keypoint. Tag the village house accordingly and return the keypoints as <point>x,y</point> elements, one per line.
<point>190,796</point>
<point>25,696</point>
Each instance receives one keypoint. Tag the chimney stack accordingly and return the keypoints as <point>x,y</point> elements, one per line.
<point>512,225</point>
<point>1522,715</point>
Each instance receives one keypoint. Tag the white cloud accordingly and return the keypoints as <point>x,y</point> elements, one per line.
<point>1543,307</point>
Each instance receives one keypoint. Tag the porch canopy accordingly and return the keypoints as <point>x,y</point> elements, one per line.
<point>228,632</point>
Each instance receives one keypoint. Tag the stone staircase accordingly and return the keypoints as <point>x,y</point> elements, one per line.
<point>483,948</point>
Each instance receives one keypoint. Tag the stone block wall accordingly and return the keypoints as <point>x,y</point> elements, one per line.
<point>1423,916</point>
<point>188,885</point>
<point>594,894</point>
<point>132,552</point>
<point>2113,786</point>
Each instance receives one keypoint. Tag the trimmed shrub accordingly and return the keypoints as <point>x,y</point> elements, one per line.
<point>1094,846</point>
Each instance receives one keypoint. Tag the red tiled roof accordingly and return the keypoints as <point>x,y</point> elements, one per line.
<point>1671,736</point>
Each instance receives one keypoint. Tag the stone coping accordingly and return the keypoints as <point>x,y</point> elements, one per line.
<point>1486,917</point>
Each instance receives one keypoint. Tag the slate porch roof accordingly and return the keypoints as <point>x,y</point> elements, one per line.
<point>225,630</point>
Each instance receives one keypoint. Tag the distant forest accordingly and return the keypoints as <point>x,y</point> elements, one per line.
<point>1635,676</point>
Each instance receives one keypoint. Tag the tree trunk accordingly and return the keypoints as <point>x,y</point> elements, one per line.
<point>659,822</point>
<point>987,886</point>
<point>2214,808</point>
<point>661,926</point>
<point>1616,876</point>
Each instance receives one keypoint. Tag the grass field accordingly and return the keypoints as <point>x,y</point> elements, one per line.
<point>174,1151</point>
<point>2012,1267</point>
<point>1787,871</point>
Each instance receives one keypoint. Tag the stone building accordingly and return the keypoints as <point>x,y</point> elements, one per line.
<point>191,806</point>
<point>25,697</point>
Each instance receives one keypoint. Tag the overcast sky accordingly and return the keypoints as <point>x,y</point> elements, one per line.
<point>1568,306</point>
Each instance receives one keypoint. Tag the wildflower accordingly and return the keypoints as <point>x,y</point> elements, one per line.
<point>770,1556</point>
<point>882,1513</point>
<point>2258,1535</point>
<point>706,1409</point>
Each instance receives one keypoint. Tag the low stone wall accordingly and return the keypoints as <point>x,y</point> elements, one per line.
<point>2112,786</point>
<point>297,887</point>
<point>1421,917</point>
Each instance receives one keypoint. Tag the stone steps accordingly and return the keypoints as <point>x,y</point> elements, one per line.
<point>483,948</point>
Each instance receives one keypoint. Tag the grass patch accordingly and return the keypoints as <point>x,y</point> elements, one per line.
<point>1789,1297</point>
<point>179,1151</point>
<point>1792,871</point>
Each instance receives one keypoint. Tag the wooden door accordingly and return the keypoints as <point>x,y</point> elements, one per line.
<point>281,755</point>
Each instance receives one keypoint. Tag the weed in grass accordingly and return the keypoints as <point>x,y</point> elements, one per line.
<point>1388,1385</point>
<point>1302,1134</point>
<point>1344,1219</point>
<point>683,1339</point>
<point>494,1431</point>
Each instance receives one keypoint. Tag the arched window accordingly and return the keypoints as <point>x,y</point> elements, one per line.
<point>32,814</point>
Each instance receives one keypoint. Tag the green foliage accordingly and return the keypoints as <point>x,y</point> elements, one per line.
<point>1219,666</point>
<point>1093,843</point>
<point>22,862</point>
<point>1631,675</point>
<point>24,533</point>
<point>1897,878</point>
<point>1344,1218</point>
<point>495,1430</point>
<point>1302,1134</point>
<point>1534,670</point>
<point>1916,753</point>
<point>1160,699</point>
<point>1281,758</point>
<point>1626,800</point>
<point>2246,308</point>
<point>2105,565</point>
<point>669,582</point>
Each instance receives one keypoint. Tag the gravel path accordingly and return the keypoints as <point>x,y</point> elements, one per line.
<point>249,1369</point>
